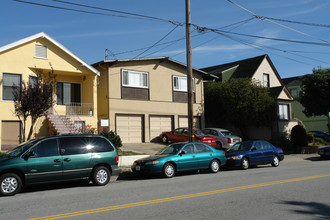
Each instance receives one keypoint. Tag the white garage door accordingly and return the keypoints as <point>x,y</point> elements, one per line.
<point>159,124</point>
<point>183,122</point>
<point>129,128</point>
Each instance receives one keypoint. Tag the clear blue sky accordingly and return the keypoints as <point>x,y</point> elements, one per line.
<point>88,35</point>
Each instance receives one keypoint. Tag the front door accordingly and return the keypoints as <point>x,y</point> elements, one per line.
<point>44,163</point>
<point>187,159</point>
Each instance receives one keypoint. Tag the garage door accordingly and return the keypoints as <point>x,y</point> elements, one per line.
<point>129,128</point>
<point>159,124</point>
<point>10,134</point>
<point>183,122</point>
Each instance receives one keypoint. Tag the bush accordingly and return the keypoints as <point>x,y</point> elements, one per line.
<point>113,137</point>
<point>299,138</point>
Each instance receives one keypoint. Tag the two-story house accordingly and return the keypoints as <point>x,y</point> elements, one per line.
<point>318,123</point>
<point>262,70</point>
<point>140,98</point>
<point>75,92</point>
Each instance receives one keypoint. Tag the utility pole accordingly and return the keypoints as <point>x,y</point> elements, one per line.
<point>189,72</point>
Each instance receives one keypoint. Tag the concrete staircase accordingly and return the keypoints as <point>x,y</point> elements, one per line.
<point>61,124</point>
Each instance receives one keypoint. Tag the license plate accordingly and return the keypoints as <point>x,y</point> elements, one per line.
<point>137,168</point>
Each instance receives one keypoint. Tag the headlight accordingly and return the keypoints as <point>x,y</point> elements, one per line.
<point>152,162</point>
<point>236,157</point>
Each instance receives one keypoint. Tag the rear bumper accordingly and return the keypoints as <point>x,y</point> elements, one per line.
<point>115,170</point>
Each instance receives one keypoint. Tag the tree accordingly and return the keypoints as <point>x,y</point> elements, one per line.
<point>315,94</point>
<point>33,100</point>
<point>240,102</point>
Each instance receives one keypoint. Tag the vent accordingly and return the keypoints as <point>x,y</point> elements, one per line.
<point>41,52</point>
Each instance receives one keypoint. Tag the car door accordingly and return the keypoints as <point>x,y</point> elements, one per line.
<point>204,155</point>
<point>177,135</point>
<point>77,153</point>
<point>187,158</point>
<point>256,154</point>
<point>43,162</point>
<point>268,152</point>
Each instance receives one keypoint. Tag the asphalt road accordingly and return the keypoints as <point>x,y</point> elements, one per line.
<point>297,190</point>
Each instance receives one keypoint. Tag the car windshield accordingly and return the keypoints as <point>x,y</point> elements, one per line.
<point>242,146</point>
<point>199,133</point>
<point>227,133</point>
<point>170,149</point>
<point>19,149</point>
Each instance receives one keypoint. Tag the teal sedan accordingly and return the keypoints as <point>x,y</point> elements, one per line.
<point>180,157</point>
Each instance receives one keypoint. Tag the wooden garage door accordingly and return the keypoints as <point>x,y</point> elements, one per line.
<point>183,122</point>
<point>129,128</point>
<point>10,134</point>
<point>159,124</point>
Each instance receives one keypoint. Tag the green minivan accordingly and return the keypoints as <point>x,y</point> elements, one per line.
<point>58,158</point>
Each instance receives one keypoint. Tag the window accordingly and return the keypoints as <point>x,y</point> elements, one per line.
<point>189,149</point>
<point>46,148</point>
<point>295,93</point>
<point>10,82</point>
<point>33,81</point>
<point>283,111</point>
<point>75,145</point>
<point>80,125</point>
<point>68,93</point>
<point>266,80</point>
<point>101,145</point>
<point>202,148</point>
<point>135,79</point>
<point>180,84</point>
<point>41,51</point>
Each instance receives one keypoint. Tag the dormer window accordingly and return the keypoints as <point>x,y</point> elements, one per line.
<point>266,80</point>
<point>41,51</point>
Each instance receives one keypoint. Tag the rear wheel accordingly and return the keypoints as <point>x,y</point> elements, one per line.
<point>276,161</point>
<point>165,139</point>
<point>11,184</point>
<point>168,170</point>
<point>214,166</point>
<point>245,163</point>
<point>101,176</point>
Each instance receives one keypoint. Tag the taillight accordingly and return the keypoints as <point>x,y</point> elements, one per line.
<point>117,159</point>
<point>229,140</point>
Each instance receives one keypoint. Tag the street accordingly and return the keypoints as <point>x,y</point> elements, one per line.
<point>296,190</point>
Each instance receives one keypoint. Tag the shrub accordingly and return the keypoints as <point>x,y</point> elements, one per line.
<point>298,138</point>
<point>113,137</point>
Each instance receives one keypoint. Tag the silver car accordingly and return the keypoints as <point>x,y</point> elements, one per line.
<point>225,139</point>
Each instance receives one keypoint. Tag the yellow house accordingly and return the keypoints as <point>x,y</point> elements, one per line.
<point>140,98</point>
<point>76,86</point>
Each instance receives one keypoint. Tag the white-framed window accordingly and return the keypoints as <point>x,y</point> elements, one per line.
<point>283,111</point>
<point>10,82</point>
<point>40,51</point>
<point>135,79</point>
<point>266,82</point>
<point>180,84</point>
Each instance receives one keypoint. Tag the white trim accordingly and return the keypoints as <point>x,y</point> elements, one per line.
<point>133,71</point>
<point>44,35</point>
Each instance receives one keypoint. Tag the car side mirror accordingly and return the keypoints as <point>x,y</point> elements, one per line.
<point>253,149</point>
<point>182,153</point>
<point>29,154</point>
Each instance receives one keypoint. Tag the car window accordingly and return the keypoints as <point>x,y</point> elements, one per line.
<point>188,149</point>
<point>100,144</point>
<point>185,132</point>
<point>170,149</point>
<point>199,133</point>
<point>226,133</point>
<point>75,145</point>
<point>201,148</point>
<point>178,131</point>
<point>242,146</point>
<point>46,148</point>
<point>207,131</point>
<point>258,145</point>
<point>267,146</point>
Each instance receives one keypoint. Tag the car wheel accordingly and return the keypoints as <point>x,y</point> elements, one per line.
<point>214,166</point>
<point>245,163</point>
<point>276,161</point>
<point>165,139</point>
<point>168,170</point>
<point>101,176</point>
<point>11,184</point>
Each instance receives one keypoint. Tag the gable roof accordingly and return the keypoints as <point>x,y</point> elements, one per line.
<point>160,60</point>
<point>276,91</point>
<point>44,35</point>
<point>243,68</point>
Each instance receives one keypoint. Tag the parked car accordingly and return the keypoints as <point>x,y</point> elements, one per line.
<point>324,152</point>
<point>225,138</point>
<point>58,158</point>
<point>250,153</point>
<point>321,134</point>
<point>179,157</point>
<point>181,135</point>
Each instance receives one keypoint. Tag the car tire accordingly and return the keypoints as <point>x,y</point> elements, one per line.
<point>101,176</point>
<point>245,163</point>
<point>276,161</point>
<point>169,170</point>
<point>164,139</point>
<point>10,184</point>
<point>214,166</point>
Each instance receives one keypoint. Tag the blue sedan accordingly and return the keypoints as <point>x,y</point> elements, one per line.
<point>249,153</point>
<point>181,157</point>
<point>324,152</point>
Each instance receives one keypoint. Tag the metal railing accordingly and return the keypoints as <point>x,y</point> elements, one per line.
<point>75,108</point>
